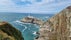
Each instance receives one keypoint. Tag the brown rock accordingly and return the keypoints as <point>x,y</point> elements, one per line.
<point>8,32</point>
<point>59,27</point>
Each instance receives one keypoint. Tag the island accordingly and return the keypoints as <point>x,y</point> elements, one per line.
<point>31,19</point>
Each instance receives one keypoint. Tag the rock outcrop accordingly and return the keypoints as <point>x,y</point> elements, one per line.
<point>32,20</point>
<point>8,32</point>
<point>58,27</point>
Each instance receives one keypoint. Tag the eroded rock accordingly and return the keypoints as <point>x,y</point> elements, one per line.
<point>32,20</point>
<point>58,27</point>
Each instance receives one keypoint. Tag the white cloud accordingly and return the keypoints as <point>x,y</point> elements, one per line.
<point>48,6</point>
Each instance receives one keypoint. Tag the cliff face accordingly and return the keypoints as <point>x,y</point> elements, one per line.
<point>61,25</point>
<point>58,27</point>
<point>8,32</point>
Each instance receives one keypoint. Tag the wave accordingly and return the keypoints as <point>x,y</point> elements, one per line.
<point>34,33</point>
<point>21,22</point>
<point>25,26</point>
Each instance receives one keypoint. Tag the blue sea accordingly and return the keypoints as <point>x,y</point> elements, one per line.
<point>27,29</point>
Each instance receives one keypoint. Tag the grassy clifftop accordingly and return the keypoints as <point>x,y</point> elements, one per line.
<point>8,32</point>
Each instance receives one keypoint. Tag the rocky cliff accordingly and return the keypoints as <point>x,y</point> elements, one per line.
<point>8,32</point>
<point>58,27</point>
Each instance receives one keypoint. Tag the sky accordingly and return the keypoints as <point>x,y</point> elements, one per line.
<point>34,6</point>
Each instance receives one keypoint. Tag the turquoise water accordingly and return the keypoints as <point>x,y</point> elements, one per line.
<point>26,29</point>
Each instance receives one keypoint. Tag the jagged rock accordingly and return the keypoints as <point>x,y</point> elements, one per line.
<point>32,20</point>
<point>58,27</point>
<point>8,32</point>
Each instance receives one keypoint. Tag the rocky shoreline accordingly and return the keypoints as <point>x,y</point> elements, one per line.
<point>56,28</point>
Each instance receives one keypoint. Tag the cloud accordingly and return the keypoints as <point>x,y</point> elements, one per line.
<point>43,6</point>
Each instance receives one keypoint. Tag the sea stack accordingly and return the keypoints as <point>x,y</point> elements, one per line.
<point>57,27</point>
<point>8,32</point>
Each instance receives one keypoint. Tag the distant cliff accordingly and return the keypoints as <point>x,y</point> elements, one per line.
<point>8,32</point>
<point>58,27</point>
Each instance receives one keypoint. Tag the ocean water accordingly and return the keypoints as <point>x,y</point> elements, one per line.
<point>27,29</point>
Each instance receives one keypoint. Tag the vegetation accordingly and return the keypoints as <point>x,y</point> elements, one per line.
<point>8,32</point>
